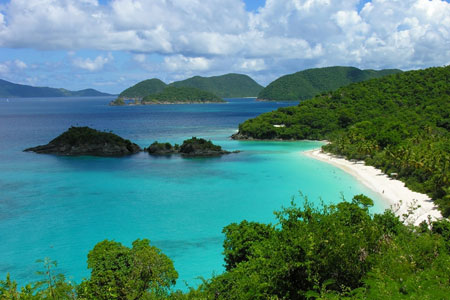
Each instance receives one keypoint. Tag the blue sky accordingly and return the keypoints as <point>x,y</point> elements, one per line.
<point>111,44</point>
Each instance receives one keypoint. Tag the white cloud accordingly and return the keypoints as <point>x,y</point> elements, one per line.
<point>207,36</point>
<point>140,58</point>
<point>20,64</point>
<point>92,64</point>
<point>182,63</point>
<point>252,65</point>
<point>4,69</point>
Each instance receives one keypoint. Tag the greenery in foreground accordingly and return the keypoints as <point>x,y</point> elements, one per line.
<point>399,123</point>
<point>309,83</point>
<point>331,252</point>
<point>181,94</point>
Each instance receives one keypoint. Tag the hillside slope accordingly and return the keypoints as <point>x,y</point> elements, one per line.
<point>225,86</point>
<point>309,83</point>
<point>143,88</point>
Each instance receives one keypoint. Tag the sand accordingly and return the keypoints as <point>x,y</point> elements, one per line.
<point>400,198</point>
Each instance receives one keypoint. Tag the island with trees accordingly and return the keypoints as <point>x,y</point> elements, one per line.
<point>194,147</point>
<point>196,89</point>
<point>311,82</point>
<point>181,95</point>
<point>78,141</point>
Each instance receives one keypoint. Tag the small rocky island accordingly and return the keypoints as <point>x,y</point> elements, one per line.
<point>194,147</point>
<point>78,141</point>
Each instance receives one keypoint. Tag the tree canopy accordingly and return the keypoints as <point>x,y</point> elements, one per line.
<point>309,83</point>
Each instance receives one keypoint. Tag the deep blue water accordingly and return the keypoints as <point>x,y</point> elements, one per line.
<point>60,207</point>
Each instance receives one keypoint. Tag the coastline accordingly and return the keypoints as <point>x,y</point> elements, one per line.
<point>393,191</point>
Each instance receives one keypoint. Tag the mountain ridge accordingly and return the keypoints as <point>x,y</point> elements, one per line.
<point>15,90</point>
<point>308,83</point>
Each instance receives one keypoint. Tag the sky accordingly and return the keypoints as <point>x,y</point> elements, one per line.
<point>110,45</point>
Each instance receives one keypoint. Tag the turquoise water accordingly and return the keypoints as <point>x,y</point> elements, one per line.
<point>60,207</point>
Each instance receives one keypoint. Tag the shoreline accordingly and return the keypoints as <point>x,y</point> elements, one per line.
<point>393,191</point>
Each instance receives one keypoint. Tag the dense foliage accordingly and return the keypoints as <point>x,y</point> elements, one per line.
<point>142,89</point>
<point>75,136</point>
<point>329,252</point>
<point>181,94</point>
<point>399,123</point>
<point>194,143</point>
<point>191,147</point>
<point>225,86</point>
<point>9,89</point>
<point>309,83</point>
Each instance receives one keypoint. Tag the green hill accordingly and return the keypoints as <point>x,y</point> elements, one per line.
<point>399,123</point>
<point>143,88</point>
<point>9,89</point>
<point>309,83</point>
<point>173,94</point>
<point>225,86</point>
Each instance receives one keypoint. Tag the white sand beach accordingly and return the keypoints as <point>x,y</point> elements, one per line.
<point>394,191</point>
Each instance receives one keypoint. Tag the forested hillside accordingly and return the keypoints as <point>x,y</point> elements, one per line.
<point>173,94</point>
<point>143,88</point>
<point>309,83</point>
<point>399,123</point>
<point>225,86</point>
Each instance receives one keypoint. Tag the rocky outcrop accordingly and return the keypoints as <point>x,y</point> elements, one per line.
<point>194,147</point>
<point>78,141</point>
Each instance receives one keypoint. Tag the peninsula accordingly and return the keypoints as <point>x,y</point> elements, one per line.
<point>77,141</point>
<point>398,124</point>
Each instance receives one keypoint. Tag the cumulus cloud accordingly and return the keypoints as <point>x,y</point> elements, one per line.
<point>93,64</point>
<point>182,63</point>
<point>201,35</point>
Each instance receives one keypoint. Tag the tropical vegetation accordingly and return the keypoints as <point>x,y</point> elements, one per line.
<point>142,89</point>
<point>339,251</point>
<point>309,83</point>
<point>181,94</point>
<point>224,86</point>
<point>399,123</point>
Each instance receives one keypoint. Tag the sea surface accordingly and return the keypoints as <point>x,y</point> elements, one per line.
<point>60,207</point>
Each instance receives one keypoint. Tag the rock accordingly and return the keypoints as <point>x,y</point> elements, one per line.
<point>87,141</point>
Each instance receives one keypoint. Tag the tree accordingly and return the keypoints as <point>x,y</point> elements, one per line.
<point>118,272</point>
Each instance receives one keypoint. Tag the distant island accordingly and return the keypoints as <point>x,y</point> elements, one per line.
<point>225,86</point>
<point>155,91</point>
<point>13,90</point>
<point>194,147</point>
<point>174,95</point>
<point>78,141</point>
<point>311,82</point>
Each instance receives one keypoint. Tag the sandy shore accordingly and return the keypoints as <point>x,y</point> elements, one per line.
<point>400,198</point>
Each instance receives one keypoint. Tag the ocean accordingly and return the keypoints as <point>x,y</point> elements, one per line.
<point>60,207</point>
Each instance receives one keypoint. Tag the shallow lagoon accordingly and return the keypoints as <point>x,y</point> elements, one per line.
<point>60,207</point>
